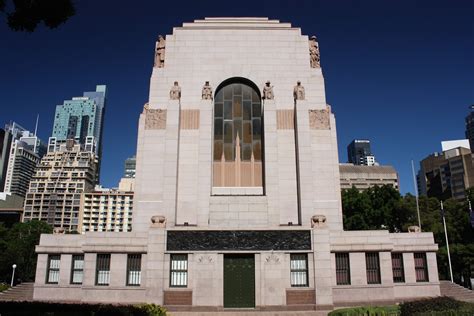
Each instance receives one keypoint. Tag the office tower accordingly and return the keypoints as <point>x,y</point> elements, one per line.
<point>81,119</point>
<point>363,177</point>
<point>130,166</point>
<point>55,190</point>
<point>359,153</point>
<point>25,154</point>
<point>447,174</point>
<point>8,135</point>
<point>470,127</point>
<point>106,210</point>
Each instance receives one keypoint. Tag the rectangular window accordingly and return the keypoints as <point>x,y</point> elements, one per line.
<point>372,265</point>
<point>343,271</point>
<point>52,275</point>
<point>397,268</point>
<point>299,270</point>
<point>421,267</point>
<point>179,270</point>
<point>77,269</point>
<point>102,276</point>
<point>134,269</point>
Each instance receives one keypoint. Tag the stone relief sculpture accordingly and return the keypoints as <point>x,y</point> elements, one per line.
<point>298,91</point>
<point>314,52</point>
<point>155,119</point>
<point>146,106</point>
<point>207,91</point>
<point>205,259</point>
<point>272,259</point>
<point>158,221</point>
<point>175,92</point>
<point>319,119</point>
<point>160,52</point>
<point>267,93</point>
<point>318,221</point>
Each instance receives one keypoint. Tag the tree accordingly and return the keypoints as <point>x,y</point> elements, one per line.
<point>27,14</point>
<point>18,247</point>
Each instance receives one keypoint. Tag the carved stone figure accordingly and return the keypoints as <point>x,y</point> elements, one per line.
<point>314,53</point>
<point>175,92</point>
<point>146,106</point>
<point>414,229</point>
<point>318,221</point>
<point>268,91</point>
<point>298,91</point>
<point>158,221</point>
<point>160,52</point>
<point>58,230</point>
<point>207,91</point>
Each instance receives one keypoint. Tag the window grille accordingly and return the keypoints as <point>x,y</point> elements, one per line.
<point>299,270</point>
<point>52,274</point>
<point>372,267</point>
<point>102,269</point>
<point>179,270</point>
<point>343,271</point>
<point>134,269</point>
<point>397,268</point>
<point>421,267</point>
<point>77,269</point>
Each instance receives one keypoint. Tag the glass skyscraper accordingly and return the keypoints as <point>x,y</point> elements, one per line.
<point>81,118</point>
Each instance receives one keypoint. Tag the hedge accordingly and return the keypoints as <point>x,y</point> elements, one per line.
<point>64,309</point>
<point>367,311</point>
<point>437,306</point>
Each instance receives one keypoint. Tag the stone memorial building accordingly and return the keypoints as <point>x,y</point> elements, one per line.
<point>237,196</point>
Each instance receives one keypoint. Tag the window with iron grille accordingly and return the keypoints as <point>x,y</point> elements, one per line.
<point>179,270</point>
<point>52,275</point>
<point>372,265</point>
<point>421,267</point>
<point>134,269</point>
<point>343,271</point>
<point>102,275</point>
<point>397,267</point>
<point>299,270</point>
<point>77,269</point>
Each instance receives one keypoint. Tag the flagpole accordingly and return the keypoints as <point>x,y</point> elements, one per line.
<point>416,194</point>
<point>447,242</point>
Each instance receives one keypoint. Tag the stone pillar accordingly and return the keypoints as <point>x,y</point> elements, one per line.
<point>358,268</point>
<point>65,269</point>
<point>41,266</point>
<point>432,267</point>
<point>205,161</point>
<point>118,269</point>
<point>386,272</point>
<point>155,264</point>
<point>322,267</point>
<point>89,269</point>
<point>409,267</point>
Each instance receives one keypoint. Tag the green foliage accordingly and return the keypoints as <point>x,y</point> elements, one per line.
<point>392,310</point>
<point>4,286</point>
<point>27,14</point>
<point>17,246</point>
<point>437,306</point>
<point>384,208</point>
<point>64,309</point>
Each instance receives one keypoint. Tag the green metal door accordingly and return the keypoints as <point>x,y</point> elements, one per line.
<point>239,281</point>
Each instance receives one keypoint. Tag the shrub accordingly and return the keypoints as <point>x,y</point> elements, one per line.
<point>64,309</point>
<point>367,311</point>
<point>437,306</point>
<point>4,286</point>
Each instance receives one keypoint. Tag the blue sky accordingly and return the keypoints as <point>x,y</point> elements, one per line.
<point>400,73</point>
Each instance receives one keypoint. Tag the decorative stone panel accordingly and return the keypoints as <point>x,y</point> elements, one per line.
<point>178,298</point>
<point>319,119</point>
<point>211,240</point>
<point>272,259</point>
<point>300,297</point>
<point>285,119</point>
<point>189,119</point>
<point>155,119</point>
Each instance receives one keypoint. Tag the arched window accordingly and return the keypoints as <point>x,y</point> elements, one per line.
<point>238,135</point>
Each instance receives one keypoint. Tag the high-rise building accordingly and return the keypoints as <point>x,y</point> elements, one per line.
<point>447,174</point>
<point>130,166</point>
<point>12,132</point>
<point>25,154</point>
<point>364,177</point>
<point>55,190</point>
<point>81,119</point>
<point>470,127</point>
<point>106,210</point>
<point>359,153</point>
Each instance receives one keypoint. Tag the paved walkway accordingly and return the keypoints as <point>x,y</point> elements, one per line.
<point>456,291</point>
<point>21,292</point>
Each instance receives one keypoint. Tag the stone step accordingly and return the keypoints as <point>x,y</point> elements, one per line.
<point>456,291</point>
<point>21,292</point>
